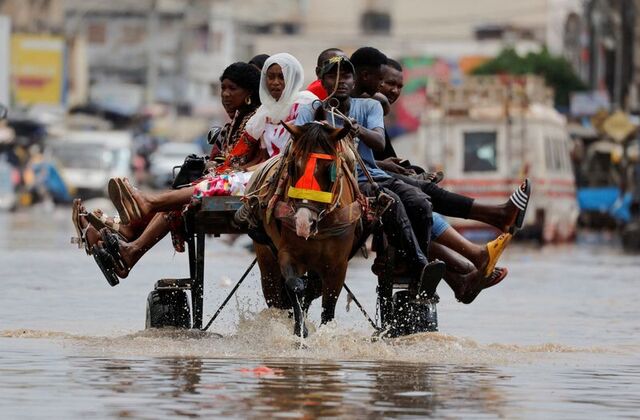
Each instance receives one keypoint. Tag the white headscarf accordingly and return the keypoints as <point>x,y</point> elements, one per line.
<point>277,110</point>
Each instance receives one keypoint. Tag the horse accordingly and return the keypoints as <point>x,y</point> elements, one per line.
<point>310,217</point>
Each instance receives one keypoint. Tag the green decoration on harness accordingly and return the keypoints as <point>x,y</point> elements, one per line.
<point>333,171</point>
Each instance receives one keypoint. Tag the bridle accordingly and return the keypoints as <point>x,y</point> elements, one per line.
<point>306,192</point>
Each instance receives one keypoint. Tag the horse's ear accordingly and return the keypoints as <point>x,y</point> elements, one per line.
<point>295,130</point>
<point>339,133</point>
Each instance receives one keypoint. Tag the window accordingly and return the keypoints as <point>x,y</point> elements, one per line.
<point>556,154</point>
<point>480,154</point>
<point>374,22</point>
<point>97,33</point>
<point>133,34</point>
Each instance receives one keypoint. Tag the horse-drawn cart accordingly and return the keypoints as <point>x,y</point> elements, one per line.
<point>169,304</point>
<point>178,303</point>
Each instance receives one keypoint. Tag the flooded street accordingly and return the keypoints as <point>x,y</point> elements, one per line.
<point>558,338</point>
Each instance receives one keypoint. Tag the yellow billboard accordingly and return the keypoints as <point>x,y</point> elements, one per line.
<point>37,69</point>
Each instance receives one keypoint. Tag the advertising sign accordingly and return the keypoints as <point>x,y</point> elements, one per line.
<point>589,103</point>
<point>419,72</point>
<point>37,69</point>
<point>5,30</point>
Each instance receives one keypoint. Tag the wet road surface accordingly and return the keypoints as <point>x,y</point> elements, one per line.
<point>558,338</point>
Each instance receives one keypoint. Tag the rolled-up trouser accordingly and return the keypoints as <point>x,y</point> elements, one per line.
<point>407,223</point>
<point>443,201</point>
<point>439,226</point>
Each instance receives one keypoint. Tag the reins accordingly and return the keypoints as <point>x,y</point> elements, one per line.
<point>333,110</point>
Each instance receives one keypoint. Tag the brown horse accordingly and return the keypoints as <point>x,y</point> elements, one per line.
<point>310,219</point>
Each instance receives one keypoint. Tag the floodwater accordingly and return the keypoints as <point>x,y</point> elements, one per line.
<point>559,338</point>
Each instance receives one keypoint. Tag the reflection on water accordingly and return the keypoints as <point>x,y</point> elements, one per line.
<point>558,338</point>
<point>78,386</point>
<point>194,387</point>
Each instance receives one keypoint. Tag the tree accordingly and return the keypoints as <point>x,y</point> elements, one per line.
<point>556,71</point>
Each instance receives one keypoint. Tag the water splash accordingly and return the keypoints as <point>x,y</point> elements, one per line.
<point>269,334</point>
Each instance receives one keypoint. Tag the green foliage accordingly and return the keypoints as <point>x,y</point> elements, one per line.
<point>555,70</point>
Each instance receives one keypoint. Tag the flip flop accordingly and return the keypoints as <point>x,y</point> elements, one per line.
<point>497,275</point>
<point>520,199</point>
<point>123,201</point>
<point>99,220</point>
<point>111,244</point>
<point>126,190</point>
<point>431,275</point>
<point>115,196</point>
<point>81,239</point>
<point>495,248</point>
<point>106,264</point>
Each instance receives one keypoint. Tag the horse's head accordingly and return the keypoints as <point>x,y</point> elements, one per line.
<point>313,169</point>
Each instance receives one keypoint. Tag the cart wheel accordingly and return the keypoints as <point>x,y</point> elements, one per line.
<point>168,309</point>
<point>411,317</point>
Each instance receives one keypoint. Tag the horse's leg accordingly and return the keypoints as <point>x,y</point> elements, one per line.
<point>332,282</point>
<point>313,290</point>
<point>271,277</point>
<point>295,286</point>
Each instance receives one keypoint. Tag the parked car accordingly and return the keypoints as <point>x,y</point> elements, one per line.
<point>88,159</point>
<point>165,158</point>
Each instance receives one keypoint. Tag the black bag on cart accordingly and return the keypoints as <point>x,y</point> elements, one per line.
<point>192,169</point>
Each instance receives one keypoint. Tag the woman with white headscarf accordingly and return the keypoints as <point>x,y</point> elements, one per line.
<point>280,83</point>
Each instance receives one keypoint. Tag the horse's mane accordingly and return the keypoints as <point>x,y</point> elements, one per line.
<point>315,136</point>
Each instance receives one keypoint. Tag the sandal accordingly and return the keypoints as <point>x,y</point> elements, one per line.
<point>495,249</point>
<point>99,220</point>
<point>520,199</point>
<point>111,244</point>
<point>124,202</point>
<point>106,264</point>
<point>497,275</point>
<point>76,212</point>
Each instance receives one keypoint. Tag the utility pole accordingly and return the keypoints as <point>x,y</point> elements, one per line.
<point>5,36</point>
<point>152,52</point>
<point>618,19</point>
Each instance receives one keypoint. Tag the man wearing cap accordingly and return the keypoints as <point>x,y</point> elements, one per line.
<point>315,87</point>
<point>408,221</point>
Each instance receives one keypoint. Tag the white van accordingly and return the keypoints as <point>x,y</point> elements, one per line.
<point>89,158</point>
<point>486,150</point>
